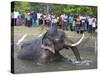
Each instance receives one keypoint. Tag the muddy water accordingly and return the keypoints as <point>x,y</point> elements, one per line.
<point>86,49</point>
<point>88,57</point>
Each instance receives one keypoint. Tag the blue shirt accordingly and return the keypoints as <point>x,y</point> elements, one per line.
<point>71,18</point>
<point>65,18</point>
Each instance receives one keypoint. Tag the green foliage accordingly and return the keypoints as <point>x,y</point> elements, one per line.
<point>22,6</point>
<point>56,8</point>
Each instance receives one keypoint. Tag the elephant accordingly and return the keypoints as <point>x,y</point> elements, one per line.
<point>46,49</point>
<point>58,40</point>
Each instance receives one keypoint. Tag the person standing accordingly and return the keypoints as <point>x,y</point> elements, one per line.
<point>73,25</point>
<point>19,19</point>
<point>90,20</point>
<point>25,16</point>
<point>28,20</point>
<point>65,22</point>
<point>87,23</point>
<point>48,19</point>
<point>34,17</point>
<point>39,19</point>
<point>94,24</point>
<point>83,25</point>
<point>16,14</point>
<point>71,18</point>
<point>44,19</point>
<point>59,21</point>
<point>78,24</point>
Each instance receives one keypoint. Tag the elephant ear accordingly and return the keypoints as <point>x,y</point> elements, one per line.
<point>48,45</point>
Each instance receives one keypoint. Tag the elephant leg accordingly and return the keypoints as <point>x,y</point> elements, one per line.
<point>76,53</point>
<point>74,49</point>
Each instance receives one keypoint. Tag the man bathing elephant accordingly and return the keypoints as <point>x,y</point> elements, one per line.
<point>46,49</point>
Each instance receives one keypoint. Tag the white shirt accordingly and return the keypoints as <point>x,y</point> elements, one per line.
<point>90,20</point>
<point>93,24</point>
<point>54,20</point>
<point>65,18</point>
<point>83,18</point>
<point>39,15</point>
<point>16,14</point>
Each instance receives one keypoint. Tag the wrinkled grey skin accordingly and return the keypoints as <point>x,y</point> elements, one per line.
<point>31,50</point>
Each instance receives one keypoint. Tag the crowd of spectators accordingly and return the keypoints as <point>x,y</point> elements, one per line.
<point>78,23</point>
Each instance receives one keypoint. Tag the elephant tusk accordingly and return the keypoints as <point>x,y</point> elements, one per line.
<point>20,40</point>
<point>77,43</point>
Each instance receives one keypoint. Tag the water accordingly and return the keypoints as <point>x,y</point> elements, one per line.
<point>88,62</point>
<point>87,52</point>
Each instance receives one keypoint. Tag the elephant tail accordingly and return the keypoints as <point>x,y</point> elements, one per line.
<point>21,39</point>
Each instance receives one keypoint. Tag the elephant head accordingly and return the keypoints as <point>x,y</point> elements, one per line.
<point>47,45</point>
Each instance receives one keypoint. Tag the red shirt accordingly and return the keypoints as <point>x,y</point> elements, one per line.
<point>78,21</point>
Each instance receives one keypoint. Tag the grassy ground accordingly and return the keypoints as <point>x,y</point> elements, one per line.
<point>36,30</point>
<point>86,49</point>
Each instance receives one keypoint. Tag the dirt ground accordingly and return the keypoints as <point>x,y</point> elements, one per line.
<point>87,49</point>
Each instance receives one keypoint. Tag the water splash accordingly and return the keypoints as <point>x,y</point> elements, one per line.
<point>83,62</point>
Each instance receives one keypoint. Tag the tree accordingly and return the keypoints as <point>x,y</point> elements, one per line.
<point>56,8</point>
